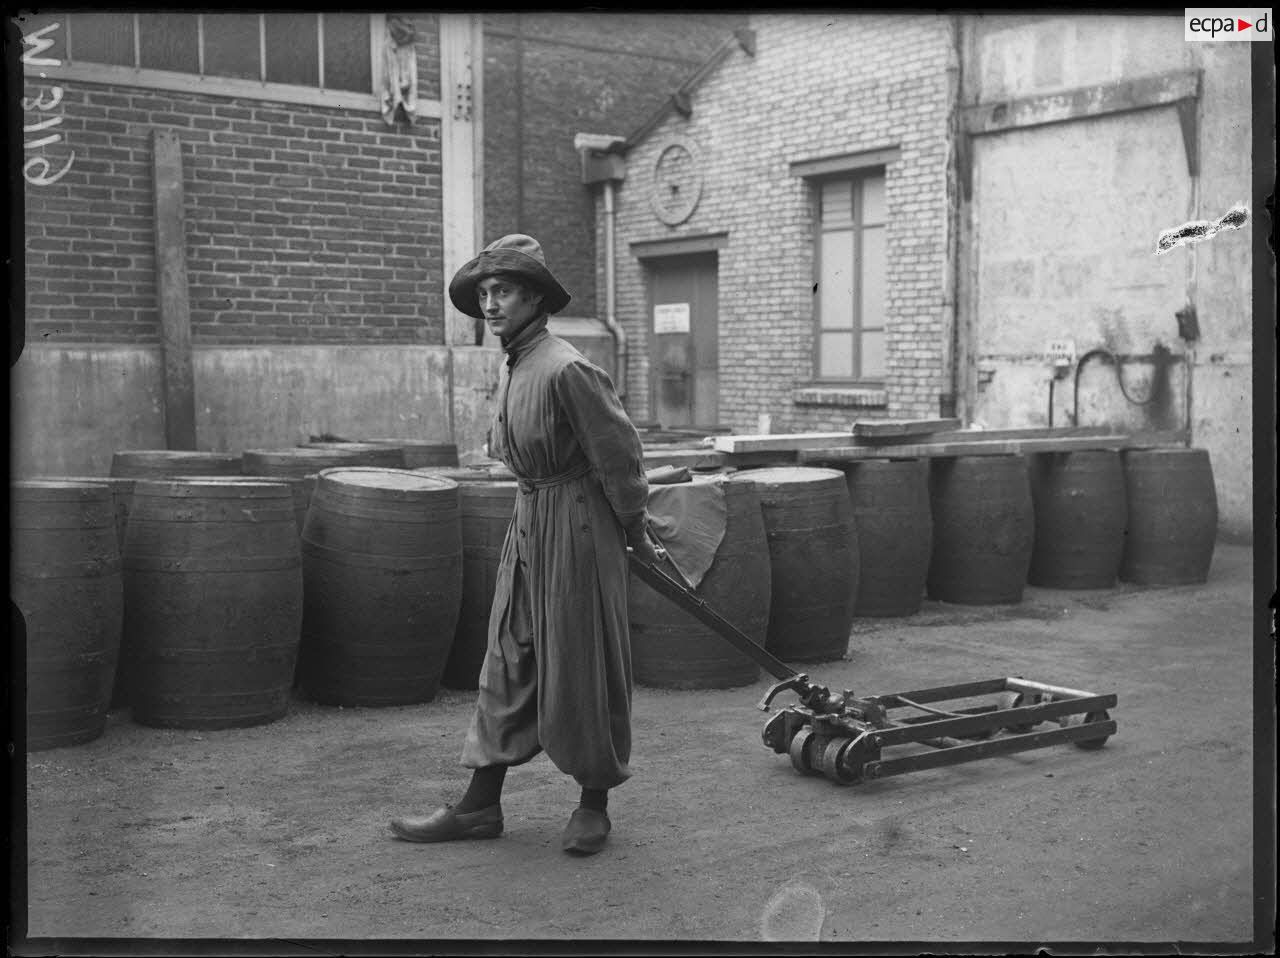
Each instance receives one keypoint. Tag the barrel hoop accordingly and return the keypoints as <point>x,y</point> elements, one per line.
<point>270,563</point>
<point>375,560</point>
<point>239,653</point>
<point>85,568</point>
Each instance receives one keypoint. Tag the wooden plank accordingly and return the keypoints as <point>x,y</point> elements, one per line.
<point>692,458</point>
<point>781,442</point>
<point>995,447</point>
<point>461,164</point>
<point>172,293</point>
<point>987,435</point>
<point>1104,98</point>
<point>903,427</point>
<point>1159,439</point>
<point>756,460</point>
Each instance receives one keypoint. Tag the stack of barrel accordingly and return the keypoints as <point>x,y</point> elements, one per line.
<point>878,537</point>
<point>785,574</point>
<point>199,587</point>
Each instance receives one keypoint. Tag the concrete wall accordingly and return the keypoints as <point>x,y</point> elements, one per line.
<point>71,408</point>
<point>1064,220</point>
<point>818,86</point>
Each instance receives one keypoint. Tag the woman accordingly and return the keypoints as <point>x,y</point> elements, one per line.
<point>557,674</point>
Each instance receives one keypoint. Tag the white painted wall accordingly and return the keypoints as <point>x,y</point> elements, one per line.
<point>1065,223</point>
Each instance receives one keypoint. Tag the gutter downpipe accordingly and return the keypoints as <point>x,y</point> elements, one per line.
<point>611,291</point>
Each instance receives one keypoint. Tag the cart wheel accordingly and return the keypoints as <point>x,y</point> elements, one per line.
<point>831,761</point>
<point>1011,700</point>
<point>799,751</point>
<point>1089,718</point>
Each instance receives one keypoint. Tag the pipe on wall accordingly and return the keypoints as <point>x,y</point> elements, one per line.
<point>611,291</point>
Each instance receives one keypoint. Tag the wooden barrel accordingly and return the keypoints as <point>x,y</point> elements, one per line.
<point>891,514</point>
<point>1173,516</point>
<point>486,505</point>
<point>213,602</point>
<point>296,465</point>
<point>419,453</point>
<point>382,558</point>
<point>813,550</point>
<point>121,494</point>
<point>64,577</point>
<point>983,529</point>
<point>160,463</point>
<point>673,650</point>
<point>372,454</point>
<point>1080,512</point>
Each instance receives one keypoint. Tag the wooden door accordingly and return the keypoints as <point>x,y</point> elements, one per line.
<point>684,373</point>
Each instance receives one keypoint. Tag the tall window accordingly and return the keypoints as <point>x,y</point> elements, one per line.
<point>241,53</point>
<point>850,334</point>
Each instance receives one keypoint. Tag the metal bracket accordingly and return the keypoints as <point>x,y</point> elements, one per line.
<point>462,97</point>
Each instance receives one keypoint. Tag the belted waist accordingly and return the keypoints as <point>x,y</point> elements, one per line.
<point>527,486</point>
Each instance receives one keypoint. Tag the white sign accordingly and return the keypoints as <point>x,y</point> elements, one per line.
<point>1062,350</point>
<point>671,318</point>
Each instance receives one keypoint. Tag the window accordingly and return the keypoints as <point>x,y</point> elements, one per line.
<point>328,58</point>
<point>850,263</point>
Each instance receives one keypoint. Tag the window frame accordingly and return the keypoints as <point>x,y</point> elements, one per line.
<point>816,172</point>
<point>854,181</point>
<point>148,78</point>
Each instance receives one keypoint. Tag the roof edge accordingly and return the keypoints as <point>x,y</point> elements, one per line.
<point>680,101</point>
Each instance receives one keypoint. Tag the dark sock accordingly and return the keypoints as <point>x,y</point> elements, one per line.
<point>596,799</point>
<point>485,788</point>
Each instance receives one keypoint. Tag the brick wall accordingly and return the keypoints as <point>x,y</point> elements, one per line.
<point>551,76</point>
<point>818,86</point>
<point>303,224</point>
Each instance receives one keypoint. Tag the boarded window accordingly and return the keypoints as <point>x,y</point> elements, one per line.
<point>331,51</point>
<point>102,38</point>
<point>232,45</point>
<point>293,48</point>
<point>346,52</point>
<point>169,41</point>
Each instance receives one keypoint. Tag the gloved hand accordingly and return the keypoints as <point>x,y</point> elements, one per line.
<point>642,542</point>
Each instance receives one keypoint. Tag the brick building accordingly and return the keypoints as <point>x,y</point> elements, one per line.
<point>861,216</point>
<point>317,234</point>
<point>833,217</point>
<point>810,135</point>
<point>548,77</point>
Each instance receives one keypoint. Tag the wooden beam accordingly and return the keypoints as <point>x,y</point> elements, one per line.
<point>990,447</point>
<point>172,294</point>
<point>903,427</point>
<point>1165,89</point>
<point>461,162</point>
<point>692,458</point>
<point>986,435</point>
<point>781,442</point>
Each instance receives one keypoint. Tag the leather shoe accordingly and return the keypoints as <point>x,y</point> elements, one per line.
<point>448,825</point>
<point>586,832</point>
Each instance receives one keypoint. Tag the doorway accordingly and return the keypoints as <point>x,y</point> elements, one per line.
<point>684,371</point>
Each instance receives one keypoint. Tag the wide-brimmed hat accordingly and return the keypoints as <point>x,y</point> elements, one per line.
<point>517,255</point>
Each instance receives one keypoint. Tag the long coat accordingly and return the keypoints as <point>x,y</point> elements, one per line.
<point>557,672</point>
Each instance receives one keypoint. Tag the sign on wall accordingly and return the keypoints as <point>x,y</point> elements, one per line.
<point>671,318</point>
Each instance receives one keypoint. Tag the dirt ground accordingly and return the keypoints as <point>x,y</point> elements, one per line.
<point>278,834</point>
